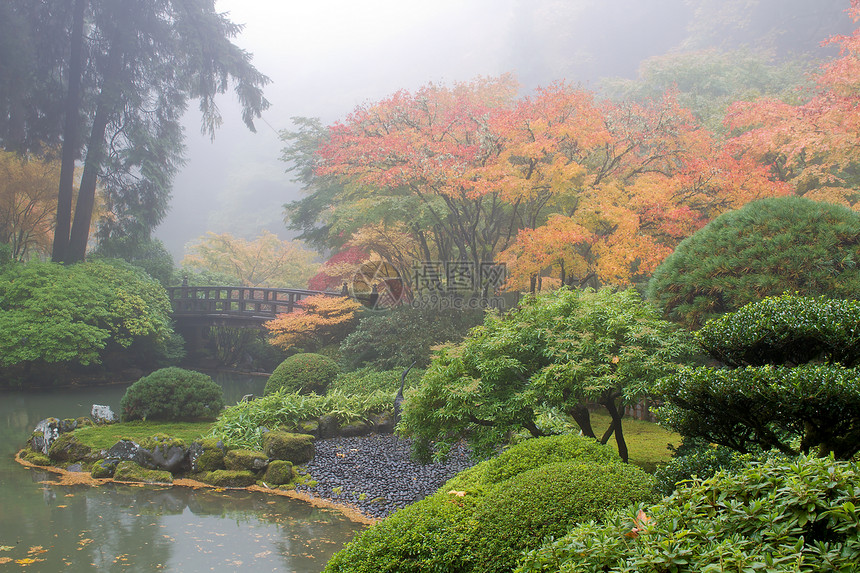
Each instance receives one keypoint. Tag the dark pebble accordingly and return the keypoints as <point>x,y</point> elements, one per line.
<point>379,467</point>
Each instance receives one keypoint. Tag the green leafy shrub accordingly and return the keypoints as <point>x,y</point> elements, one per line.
<point>765,248</point>
<point>800,515</point>
<point>76,314</point>
<point>786,330</point>
<point>172,394</point>
<point>548,500</point>
<point>701,460</point>
<point>241,426</point>
<point>367,381</point>
<point>304,373</point>
<point>404,335</point>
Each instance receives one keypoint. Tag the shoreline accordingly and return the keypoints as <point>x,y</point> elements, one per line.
<point>67,478</point>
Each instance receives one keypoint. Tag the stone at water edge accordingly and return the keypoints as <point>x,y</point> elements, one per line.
<point>102,414</point>
<point>50,431</point>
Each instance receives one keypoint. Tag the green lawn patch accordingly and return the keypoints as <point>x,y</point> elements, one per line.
<point>647,442</point>
<point>103,437</point>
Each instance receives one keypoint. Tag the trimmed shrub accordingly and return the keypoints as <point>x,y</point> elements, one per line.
<point>547,501</point>
<point>701,460</point>
<point>304,373</point>
<point>296,448</point>
<point>172,394</point>
<point>800,515</point>
<point>786,330</point>
<point>763,249</point>
<point>536,452</point>
<point>468,526</point>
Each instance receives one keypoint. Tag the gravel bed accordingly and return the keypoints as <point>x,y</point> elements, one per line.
<point>376,474</point>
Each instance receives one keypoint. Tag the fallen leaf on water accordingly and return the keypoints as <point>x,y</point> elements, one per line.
<point>5,560</point>
<point>6,548</point>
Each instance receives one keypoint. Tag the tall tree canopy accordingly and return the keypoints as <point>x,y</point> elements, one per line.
<point>109,81</point>
<point>813,144</point>
<point>601,191</point>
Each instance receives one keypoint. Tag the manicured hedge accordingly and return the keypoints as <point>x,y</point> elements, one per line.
<point>304,373</point>
<point>172,394</point>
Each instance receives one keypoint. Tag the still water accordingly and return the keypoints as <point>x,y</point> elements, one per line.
<point>49,528</point>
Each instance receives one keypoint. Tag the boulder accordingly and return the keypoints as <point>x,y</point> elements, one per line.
<point>295,448</point>
<point>123,450</point>
<point>328,426</point>
<point>44,435</point>
<point>161,452</point>
<point>229,478</point>
<point>251,460</point>
<point>130,471</point>
<point>207,455</point>
<point>103,469</point>
<point>279,472</point>
<point>67,448</point>
<point>382,423</point>
<point>356,429</point>
<point>102,414</point>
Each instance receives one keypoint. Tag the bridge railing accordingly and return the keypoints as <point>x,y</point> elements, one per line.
<point>255,302</point>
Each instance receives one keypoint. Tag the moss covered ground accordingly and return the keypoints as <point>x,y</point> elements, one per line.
<point>647,442</point>
<point>103,437</point>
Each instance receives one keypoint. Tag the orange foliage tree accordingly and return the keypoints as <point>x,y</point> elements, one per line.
<point>28,204</point>
<point>598,191</point>
<point>320,320</point>
<point>813,145</point>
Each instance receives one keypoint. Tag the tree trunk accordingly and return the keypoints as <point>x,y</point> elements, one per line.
<point>582,418</point>
<point>80,233</point>
<point>616,422</point>
<point>70,138</point>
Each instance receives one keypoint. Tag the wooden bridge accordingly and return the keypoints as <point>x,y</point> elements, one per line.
<point>233,306</point>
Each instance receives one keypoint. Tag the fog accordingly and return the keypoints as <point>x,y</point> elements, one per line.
<point>324,57</point>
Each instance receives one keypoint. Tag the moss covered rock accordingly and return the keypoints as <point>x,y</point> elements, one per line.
<point>103,469</point>
<point>208,455</point>
<point>229,478</point>
<point>36,458</point>
<point>67,449</point>
<point>279,472</point>
<point>251,460</point>
<point>295,448</point>
<point>130,471</point>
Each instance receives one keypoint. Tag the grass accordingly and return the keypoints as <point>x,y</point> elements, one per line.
<point>646,442</point>
<point>103,437</point>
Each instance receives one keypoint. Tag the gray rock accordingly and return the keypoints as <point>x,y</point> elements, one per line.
<point>103,414</point>
<point>76,467</point>
<point>122,451</point>
<point>44,435</point>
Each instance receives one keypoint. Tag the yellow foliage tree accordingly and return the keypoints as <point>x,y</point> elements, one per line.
<point>28,204</point>
<point>321,320</point>
<point>266,261</point>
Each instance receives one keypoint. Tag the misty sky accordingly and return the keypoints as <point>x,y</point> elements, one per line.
<point>324,57</point>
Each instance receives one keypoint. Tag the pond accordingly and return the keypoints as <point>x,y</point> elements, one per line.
<point>153,528</point>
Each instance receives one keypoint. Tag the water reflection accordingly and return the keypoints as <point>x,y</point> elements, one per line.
<point>127,528</point>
